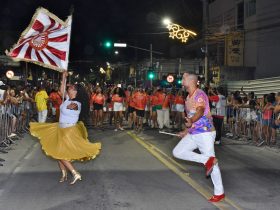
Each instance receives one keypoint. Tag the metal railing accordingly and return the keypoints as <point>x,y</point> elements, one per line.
<point>249,125</point>
<point>14,122</point>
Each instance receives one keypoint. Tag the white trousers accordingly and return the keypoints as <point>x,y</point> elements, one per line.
<point>163,118</point>
<point>205,143</point>
<point>42,116</point>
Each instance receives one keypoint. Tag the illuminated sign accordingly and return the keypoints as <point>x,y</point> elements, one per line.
<point>10,74</point>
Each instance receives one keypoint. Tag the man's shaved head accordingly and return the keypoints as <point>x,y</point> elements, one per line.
<point>193,77</point>
<point>190,80</point>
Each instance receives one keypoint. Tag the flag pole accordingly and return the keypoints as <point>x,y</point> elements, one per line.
<point>68,40</point>
<point>26,74</point>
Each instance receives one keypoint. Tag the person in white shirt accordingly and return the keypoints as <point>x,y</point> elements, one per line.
<point>2,92</point>
<point>66,140</point>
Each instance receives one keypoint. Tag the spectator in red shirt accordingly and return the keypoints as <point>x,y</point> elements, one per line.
<point>140,101</point>
<point>131,108</point>
<point>153,108</point>
<point>98,101</point>
<point>267,119</point>
<point>218,110</point>
<point>56,100</point>
<point>147,119</point>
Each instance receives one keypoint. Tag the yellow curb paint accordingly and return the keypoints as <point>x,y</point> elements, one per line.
<point>180,170</point>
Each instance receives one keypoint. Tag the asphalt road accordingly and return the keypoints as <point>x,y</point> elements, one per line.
<point>138,172</point>
<point>250,174</point>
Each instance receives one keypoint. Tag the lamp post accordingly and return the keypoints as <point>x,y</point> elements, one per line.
<point>151,62</point>
<point>205,27</point>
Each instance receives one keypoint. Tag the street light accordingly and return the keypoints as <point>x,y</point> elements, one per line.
<point>177,31</point>
<point>166,21</point>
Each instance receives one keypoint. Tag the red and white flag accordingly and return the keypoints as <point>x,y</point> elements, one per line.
<point>45,42</point>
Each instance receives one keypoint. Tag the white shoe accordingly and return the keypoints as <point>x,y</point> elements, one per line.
<point>12,135</point>
<point>116,129</point>
<point>217,142</point>
<point>121,128</point>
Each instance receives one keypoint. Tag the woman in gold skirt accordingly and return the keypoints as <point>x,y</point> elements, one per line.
<point>67,140</point>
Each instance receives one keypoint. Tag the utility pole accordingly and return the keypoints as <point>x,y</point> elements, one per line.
<point>180,66</point>
<point>205,25</point>
<point>151,62</point>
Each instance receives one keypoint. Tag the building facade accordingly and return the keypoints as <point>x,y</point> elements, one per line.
<point>243,38</point>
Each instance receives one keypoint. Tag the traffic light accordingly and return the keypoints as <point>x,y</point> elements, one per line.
<point>179,81</point>
<point>107,44</point>
<point>151,75</point>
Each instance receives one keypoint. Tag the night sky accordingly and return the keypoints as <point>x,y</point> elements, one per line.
<point>135,22</point>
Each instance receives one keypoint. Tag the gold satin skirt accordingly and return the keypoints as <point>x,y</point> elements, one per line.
<point>65,143</point>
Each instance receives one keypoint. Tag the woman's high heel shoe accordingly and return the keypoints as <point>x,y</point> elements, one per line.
<point>64,176</point>
<point>76,177</point>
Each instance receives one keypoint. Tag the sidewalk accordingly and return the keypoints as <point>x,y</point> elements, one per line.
<point>273,148</point>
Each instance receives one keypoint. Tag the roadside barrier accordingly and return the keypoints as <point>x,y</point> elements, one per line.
<point>249,125</point>
<point>14,121</point>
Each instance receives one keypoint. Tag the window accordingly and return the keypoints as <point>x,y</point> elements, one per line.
<point>250,8</point>
<point>240,15</point>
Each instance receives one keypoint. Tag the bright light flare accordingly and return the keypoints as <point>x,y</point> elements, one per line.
<point>166,21</point>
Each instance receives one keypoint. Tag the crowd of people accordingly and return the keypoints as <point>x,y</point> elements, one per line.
<point>198,116</point>
<point>253,118</point>
<point>238,115</point>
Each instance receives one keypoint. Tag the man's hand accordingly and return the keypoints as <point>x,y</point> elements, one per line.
<point>183,133</point>
<point>188,122</point>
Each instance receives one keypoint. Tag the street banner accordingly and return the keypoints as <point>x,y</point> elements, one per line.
<point>234,49</point>
<point>45,41</point>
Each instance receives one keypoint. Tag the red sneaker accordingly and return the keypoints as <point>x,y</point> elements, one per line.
<point>217,198</point>
<point>209,165</point>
